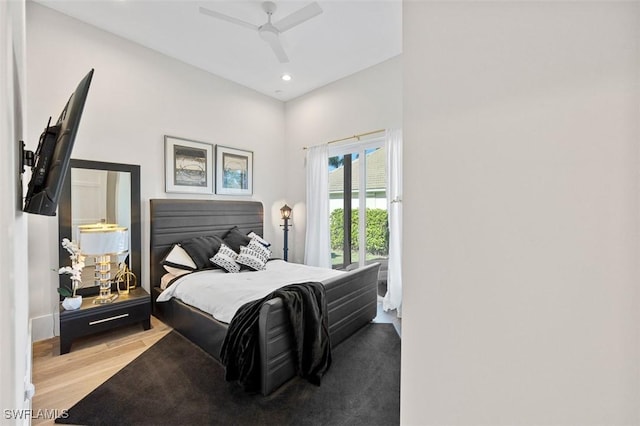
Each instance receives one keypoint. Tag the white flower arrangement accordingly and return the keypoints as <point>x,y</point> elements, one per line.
<point>75,270</point>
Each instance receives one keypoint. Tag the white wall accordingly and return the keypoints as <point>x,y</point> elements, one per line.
<point>521,292</point>
<point>137,96</point>
<point>15,355</point>
<point>368,100</point>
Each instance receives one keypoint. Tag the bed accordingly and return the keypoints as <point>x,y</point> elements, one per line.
<point>351,296</point>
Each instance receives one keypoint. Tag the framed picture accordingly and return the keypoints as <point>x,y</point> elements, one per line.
<point>234,171</point>
<point>188,166</point>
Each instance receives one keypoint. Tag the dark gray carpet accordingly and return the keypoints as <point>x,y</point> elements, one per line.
<point>176,383</point>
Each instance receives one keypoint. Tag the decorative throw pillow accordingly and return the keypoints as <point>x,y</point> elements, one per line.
<point>235,239</point>
<point>261,240</point>
<point>254,255</point>
<point>201,249</point>
<point>226,259</point>
<point>178,261</point>
<point>176,272</point>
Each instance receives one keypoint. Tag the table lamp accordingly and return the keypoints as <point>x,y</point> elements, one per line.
<point>103,240</point>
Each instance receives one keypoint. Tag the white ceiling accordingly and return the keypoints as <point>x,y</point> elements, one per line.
<point>347,37</point>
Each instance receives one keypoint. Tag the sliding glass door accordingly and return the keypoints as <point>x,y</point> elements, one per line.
<point>358,204</point>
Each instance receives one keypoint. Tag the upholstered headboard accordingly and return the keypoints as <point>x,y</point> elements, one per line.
<point>176,220</point>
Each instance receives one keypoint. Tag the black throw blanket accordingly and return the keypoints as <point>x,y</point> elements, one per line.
<point>307,308</point>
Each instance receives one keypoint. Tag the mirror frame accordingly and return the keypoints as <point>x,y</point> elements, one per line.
<point>64,220</point>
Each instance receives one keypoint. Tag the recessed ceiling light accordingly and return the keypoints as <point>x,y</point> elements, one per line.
<point>286,77</point>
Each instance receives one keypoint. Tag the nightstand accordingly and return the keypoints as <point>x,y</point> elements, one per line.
<point>91,318</point>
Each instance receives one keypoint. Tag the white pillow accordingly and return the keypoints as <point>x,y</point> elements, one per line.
<point>254,255</point>
<point>175,271</point>
<point>178,261</point>
<point>226,259</point>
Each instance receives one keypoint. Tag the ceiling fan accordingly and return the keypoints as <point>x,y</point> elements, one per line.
<point>269,31</point>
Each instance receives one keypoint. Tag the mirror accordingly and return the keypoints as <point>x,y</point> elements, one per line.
<point>99,192</point>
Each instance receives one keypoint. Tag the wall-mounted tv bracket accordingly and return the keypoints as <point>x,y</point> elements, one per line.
<point>27,157</point>
<point>46,145</point>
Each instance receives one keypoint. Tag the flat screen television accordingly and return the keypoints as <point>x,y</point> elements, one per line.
<point>50,163</point>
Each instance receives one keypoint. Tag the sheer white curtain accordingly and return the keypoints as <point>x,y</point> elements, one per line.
<point>393,144</point>
<point>317,247</point>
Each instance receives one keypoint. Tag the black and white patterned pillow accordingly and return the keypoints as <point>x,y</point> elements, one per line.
<point>254,255</point>
<point>261,240</point>
<point>226,259</point>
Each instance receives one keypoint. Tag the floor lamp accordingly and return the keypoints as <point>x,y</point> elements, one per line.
<point>285,211</point>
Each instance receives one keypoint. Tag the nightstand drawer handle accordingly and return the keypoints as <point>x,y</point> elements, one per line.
<point>108,319</point>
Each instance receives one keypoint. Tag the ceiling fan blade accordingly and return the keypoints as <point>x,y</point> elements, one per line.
<point>227,18</point>
<point>277,48</point>
<point>298,17</point>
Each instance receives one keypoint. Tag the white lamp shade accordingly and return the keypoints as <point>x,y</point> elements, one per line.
<point>103,239</point>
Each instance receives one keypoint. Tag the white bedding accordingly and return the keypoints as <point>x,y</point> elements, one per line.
<point>221,294</point>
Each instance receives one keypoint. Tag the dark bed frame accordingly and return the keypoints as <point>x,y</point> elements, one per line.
<point>351,297</point>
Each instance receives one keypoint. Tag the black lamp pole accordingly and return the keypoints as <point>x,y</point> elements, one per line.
<point>286,215</point>
<point>286,238</point>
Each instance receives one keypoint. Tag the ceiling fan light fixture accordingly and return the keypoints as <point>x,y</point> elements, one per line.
<point>268,32</point>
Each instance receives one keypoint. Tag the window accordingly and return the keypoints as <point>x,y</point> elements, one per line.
<point>357,238</point>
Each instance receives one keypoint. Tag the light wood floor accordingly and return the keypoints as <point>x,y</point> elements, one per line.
<point>63,380</point>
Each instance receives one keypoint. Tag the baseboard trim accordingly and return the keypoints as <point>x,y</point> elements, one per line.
<point>45,327</point>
